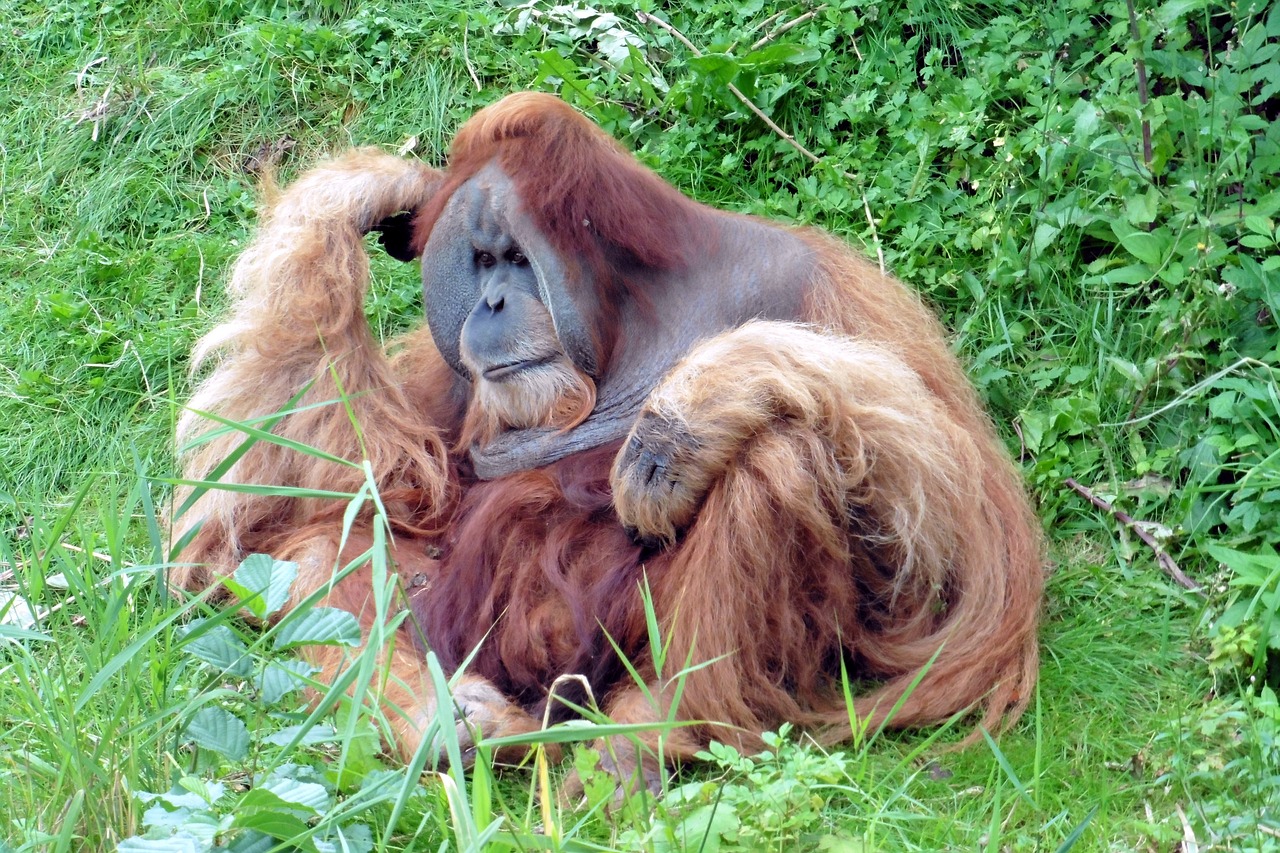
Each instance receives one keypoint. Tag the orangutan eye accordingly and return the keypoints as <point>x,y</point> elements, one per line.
<point>485,259</point>
<point>517,257</point>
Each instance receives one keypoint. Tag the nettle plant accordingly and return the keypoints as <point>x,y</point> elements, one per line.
<point>250,729</point>
<point>768,801</point>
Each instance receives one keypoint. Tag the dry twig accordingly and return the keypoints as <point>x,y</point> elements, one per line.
<point>466,59</point>
<point>646,18</point>
<point>1162,557</point>
<point>795,22</point>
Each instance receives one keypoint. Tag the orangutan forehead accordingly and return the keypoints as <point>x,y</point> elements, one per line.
<point>489,200</point>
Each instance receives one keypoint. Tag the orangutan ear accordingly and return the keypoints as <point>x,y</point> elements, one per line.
<point>395,233</point>
<point>485,215</point>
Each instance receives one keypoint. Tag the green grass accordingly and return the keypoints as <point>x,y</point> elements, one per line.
<point>103,705</point>
<point>1118,315</point>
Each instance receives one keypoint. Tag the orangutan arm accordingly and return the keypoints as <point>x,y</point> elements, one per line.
<point>296,324</point>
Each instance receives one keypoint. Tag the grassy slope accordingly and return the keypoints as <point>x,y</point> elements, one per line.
<point>123,137</point>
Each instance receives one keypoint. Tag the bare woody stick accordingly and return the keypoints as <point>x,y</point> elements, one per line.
<point>1162,557</point>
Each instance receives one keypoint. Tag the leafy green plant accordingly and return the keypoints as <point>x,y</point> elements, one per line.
<point>1117,309</point>
<point>774,800</point>
<point>251,714</point>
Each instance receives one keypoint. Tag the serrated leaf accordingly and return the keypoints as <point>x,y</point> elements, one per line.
<point>219,730</point>
<point>305,795</point>
<point>280,678</point>
<point>251,841</point>
<point>1045,232</point>
<point>313,735</point>
<point>157,816</point>
<point>1086,120</point>
<point>1150,247</point>
<point>207,790</point>
<point>1259,224</point>
<point>185,795</point>
<point>1170,13</point>
<point>261,583</point>
<point>322,626</point>
<point>355,838</point>
<point>1223,405</point>
<point>180,843</point>
<point>720,67</point>
<point>219,647</point>
<point>780,53</point>
<point>273,823</point>
<point>1250,569</point>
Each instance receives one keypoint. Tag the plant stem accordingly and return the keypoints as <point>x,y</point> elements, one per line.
<point>1162,557</point>
<point>1142,84</point>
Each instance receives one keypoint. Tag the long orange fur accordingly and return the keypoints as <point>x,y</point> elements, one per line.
<point>848,504</point>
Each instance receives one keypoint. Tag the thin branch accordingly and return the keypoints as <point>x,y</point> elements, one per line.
<point>794,22</point>
<point>646,18</point>
<point>97,555</point>
<point>1162,557</point>
<point>466,58</point>
<point>1195,389</point>
<point>776,16</point>
<point>875,233</point>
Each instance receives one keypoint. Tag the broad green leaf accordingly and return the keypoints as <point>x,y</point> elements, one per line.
<point>280,678</point>
<point>1260,225</point>
<point>552,64</point>
<point>252,841</point>
<point>158,816</point>
<point>312,735</point>
<point>324,626</point>
<point>181,795</point>
<point>1044,236</point>
<point>780,54</point>
<point>220,648</point>
<point>1223,404</point>
<point>1034,427</point>
<point>347,839</point>
<point>1150,247</point>
<point>207,790</point>
<point>262,583</point>
<point>1127,274</point>
<point>181,843</point>
<point>720,67</point>
<point>1169,14</point>
<point>1251,568</point>
<point>304,795</point>
<point>1143,208</point>
<point>710,824</point>
<point>277,824</point>
<point>1086,120</point>
<point>219,730</point>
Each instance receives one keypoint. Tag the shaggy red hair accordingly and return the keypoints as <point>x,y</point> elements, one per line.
<point>844,503</point>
